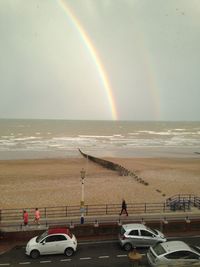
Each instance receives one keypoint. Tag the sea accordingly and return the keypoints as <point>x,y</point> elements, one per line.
<point>37,139</point>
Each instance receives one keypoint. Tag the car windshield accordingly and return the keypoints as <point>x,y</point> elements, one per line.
<point>39,238</point>
<point>196,249</point>
<point>158,249</point>
<point>122,231</point>
<point>152,230</point>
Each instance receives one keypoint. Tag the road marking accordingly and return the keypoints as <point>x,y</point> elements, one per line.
<point>98,242</point>
<point>103,257</point>
<point>86,258</point>
<point>66,260</point>
<point>25,262</point>
<point>45,261</point>
<point>4,264</point>
<point>123,255</point>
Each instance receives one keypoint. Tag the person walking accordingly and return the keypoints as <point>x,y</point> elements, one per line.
<point>25,217</point>
<point>124,208</point>
<point>37,216</point>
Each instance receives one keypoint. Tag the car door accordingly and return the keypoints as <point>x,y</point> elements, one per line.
<point>62,244</point>
<point>134,238</point>
<point>192,258</point>
<point>148,238</point>
<point>48,245</point>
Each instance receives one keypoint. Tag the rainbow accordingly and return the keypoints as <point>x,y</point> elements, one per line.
<point>100,68</point>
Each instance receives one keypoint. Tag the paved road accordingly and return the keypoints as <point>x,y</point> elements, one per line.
<point>88,254</point>
<point>93,254</point>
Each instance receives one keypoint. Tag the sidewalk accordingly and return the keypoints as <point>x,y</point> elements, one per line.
<point>17,225</point>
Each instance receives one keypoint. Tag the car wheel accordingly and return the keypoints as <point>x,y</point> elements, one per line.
<point>69,252</point>
<point>128,246</point>
<point>34,254</point>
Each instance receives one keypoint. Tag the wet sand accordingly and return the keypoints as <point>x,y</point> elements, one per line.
<point>57,182</point>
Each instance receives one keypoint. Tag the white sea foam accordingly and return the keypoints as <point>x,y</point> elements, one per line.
<point>103,137</point>
<point>95,136</point>
<point>180,129</point>
<point>133,133</point>
<point>155,133</point>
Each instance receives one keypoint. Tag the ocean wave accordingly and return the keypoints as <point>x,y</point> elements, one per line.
<point>33,142</point>
<point>97,136</point>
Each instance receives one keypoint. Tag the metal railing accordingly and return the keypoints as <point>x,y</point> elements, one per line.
<point>189,201</point>
<point>183,202</point>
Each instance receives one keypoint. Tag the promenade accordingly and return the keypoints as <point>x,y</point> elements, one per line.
<point>179,216</point>
<point>179,206</point>
<point>100,228</point>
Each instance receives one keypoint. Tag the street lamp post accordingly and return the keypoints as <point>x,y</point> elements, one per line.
<point>82,208</point>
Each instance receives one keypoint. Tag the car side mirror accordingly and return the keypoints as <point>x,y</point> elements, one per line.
<point>43,242</point>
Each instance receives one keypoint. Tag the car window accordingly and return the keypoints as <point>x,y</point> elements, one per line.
<point>146,233</point>
<point>173,255</point>
<point>190,255</point>
<point>134,232</point>
<point>182,255</point>
<point>54,238</point>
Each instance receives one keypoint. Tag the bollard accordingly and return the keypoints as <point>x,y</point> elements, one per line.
<point>96,224</point>
<point>71,226</point>
<point>187,219</point>
<point>119,222</point>
<point>82,220</point>
<point>165,221</point>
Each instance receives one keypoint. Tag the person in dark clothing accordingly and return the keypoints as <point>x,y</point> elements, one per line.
<point>124,208</point>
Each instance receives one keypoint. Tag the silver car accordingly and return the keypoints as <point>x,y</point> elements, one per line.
<point>173,253</point>
<point>139,235</point>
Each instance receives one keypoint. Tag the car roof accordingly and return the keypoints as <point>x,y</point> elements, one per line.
<point>58,231</point>
<point>132,226</point>
<point>171,246</point>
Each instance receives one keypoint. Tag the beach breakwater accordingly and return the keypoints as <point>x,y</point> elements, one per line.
<point>114,167</point>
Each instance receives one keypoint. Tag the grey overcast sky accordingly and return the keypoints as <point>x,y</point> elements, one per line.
<point>149,52</point>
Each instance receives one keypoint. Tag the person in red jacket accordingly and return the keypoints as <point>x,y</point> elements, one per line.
<point>25,217</point>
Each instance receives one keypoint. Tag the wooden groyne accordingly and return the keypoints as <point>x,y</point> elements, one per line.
<point>114,167</point>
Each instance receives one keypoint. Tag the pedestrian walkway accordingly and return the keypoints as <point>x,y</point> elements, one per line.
<point>17,225</point>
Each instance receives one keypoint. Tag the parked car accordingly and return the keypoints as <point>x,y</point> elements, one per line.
<point>174,253</point>
<point>139,235</point>
<point>53,241</point>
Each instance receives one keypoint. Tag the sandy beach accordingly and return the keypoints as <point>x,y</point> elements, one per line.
<point>57,182</point>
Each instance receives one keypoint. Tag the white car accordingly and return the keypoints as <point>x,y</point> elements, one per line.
<point>138,235</point>
<point>53,241</point>
<point>174,253</point>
